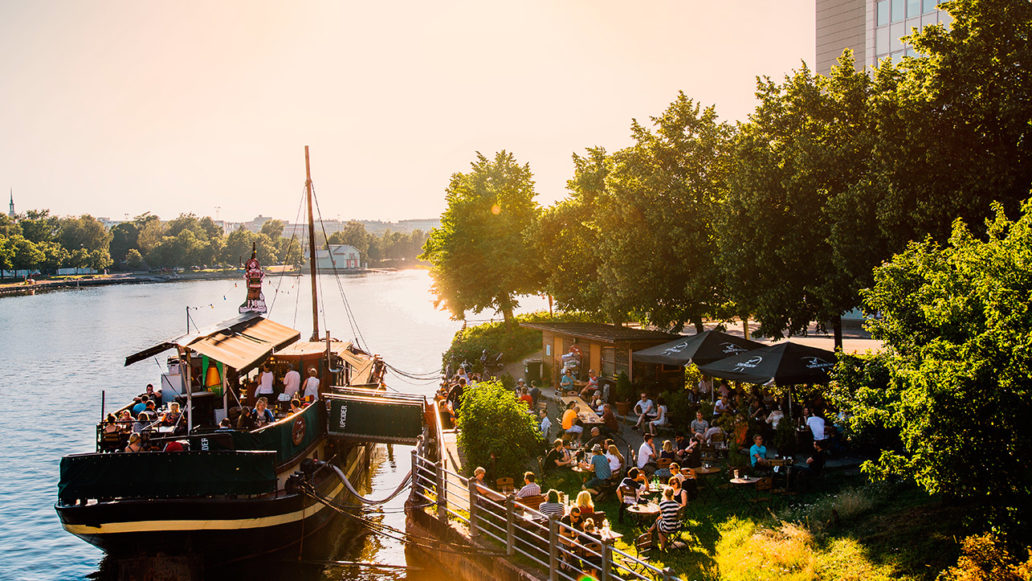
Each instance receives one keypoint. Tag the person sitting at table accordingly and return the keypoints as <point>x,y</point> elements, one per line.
<point>688,484</point>
<point>125,421</point>
<point>616,459</point>
<point>597,405</point>
<point>699,426</point>
<point>245,422</point>
<point>692,455</point>
<point>295,405</point>
<point>535,392</point>
<point>680,492</point>
<point>645,410</point>
<point>636,482</point>
<point>722,407</point>
<point>600,465</point>
<point>591,563</point>
<point>545,424</point>
<point>669,521</point>
<point>551,505</point>
<point>558,456</point>
<point>757,411</point>
<point>525,398</point>
<point>566,382</point>
<point>667,452</point>
<point>573,520</point>
<point>661,416</point>
<point>140,404</point>
<point>610,425</point>
<point>809,471</point>
<point>482,488</point>
<point>591,387</point>
<point>596,437</point>
<point>758,453</point>
<point>647,455</point>
<point>171,417</point>
<point>135,443</point>
<point>530,487</point>
<point>111,424</point>
<point>570,422</point>
<point>262,414</point>
<point>585,504</point>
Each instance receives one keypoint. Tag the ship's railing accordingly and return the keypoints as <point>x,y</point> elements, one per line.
<point>523,532</point>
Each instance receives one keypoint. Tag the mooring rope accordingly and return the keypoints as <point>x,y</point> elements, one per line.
<point>347,483</point>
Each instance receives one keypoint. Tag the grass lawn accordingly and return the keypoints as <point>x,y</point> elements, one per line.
<point>847,528</point>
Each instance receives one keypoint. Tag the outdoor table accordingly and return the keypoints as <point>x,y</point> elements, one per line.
<point>785,467</point>
<point>641,512</point>
<point>705,472</point>
<point>745,482</point>
<point>586,415</point>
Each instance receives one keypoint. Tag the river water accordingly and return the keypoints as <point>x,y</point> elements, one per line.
<point>59,350</point>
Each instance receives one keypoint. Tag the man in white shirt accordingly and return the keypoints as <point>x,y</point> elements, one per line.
<point>816,425</point>
<point>647,453</point>
<point>644,408</point>
<point>312,385</point>
<point>291,384</point>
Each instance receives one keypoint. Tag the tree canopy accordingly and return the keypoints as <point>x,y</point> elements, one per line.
<point>480,256</point>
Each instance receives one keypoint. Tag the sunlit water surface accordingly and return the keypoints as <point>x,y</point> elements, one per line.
<point>59,350</point>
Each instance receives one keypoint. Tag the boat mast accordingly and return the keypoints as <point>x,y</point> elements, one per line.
<point>311,248</point>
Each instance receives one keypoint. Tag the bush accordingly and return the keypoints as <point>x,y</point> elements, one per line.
<point>623,391</point>
<point>985,557</point>
<point>512,341</point>
<point>495,430</point>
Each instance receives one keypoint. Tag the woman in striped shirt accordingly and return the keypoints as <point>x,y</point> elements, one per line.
<point>668,521</point>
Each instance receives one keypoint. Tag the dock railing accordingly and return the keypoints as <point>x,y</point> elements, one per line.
<point>502,523</point>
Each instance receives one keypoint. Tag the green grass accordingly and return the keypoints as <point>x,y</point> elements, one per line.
<point>847,528</point>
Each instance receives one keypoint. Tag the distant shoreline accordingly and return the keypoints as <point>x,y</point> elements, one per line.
<point>19,288</point>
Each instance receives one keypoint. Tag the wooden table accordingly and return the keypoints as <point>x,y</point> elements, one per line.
<point>641,512</point>
<point>586,415</point>
<point>705,473</point>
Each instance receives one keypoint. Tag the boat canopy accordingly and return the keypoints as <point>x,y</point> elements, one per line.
<point>361,363</point>
<point>241,343</point>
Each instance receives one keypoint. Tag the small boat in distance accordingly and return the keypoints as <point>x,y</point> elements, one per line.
<point>199,480</point>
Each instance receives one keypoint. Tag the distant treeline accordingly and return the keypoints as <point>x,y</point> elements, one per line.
<point>36,240</point>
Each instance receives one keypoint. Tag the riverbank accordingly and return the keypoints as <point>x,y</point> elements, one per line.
<point>31,287</point>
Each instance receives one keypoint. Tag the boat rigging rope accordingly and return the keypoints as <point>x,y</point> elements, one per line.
<point>290,244</point>
<point>355,331</point>
<point>347,483</point>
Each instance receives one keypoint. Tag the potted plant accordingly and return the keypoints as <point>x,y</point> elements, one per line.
<point>622,393</point>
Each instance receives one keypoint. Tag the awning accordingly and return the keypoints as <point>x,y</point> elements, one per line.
<point>307,349</point>
<point>786,363</point>
<point>701,348</point>
<point>240,342</point>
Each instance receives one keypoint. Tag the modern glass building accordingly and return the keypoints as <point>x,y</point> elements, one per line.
<point>872,28</point>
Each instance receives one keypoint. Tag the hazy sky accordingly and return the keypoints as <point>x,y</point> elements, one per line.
<point>120,107</point>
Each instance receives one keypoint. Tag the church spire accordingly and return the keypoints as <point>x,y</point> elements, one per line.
<point>11,211</point>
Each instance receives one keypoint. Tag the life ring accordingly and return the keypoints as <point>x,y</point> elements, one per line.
<point>297,434</point>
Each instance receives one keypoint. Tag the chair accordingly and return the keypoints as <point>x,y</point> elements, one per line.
<point>644,545</point>
<point>112,442</point>
<point>663,463</point>
<point>504,485</point>
<point>533,501</point>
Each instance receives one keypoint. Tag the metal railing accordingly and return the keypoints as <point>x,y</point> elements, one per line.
<point>563,551</point>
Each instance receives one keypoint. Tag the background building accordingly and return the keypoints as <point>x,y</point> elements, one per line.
<point>872,28</point>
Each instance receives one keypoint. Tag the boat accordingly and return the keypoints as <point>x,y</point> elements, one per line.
<point>206,490</point>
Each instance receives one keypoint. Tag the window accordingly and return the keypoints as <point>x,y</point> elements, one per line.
<point>897,11</point>
<point>929,5</point>
<point>608,362</point>
<point>913,8</point>
<point>883,12</point>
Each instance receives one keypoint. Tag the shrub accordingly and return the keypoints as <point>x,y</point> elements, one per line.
<point>512,341</point>
<point>623,390</point>
<point>985,557</point>
<point>495,430</point>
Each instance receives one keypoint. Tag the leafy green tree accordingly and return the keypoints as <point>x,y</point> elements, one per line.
<point>658,241</point>
<point>238,247</point>
<point>123,239</point>
<point>273,229</point>
<point>957,323</point>
<point>797,238</point>
<point>481,257</point>
<point>6,253</point>
<point>87,240</point>
<point>495,430</point>
<point>8,227</point>
<point>25,254</point>
<point>354,233</point>
<point>567,241</point>
<point>151,233</point>
<point>39,226</point>
<point>133,259</point>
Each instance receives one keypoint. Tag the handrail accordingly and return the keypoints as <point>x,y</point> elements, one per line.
<point>524,530</point>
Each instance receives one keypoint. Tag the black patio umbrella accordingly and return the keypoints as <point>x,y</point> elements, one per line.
<point>705,347</point>
<point>786,363</point>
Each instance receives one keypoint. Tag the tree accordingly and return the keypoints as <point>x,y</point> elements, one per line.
<point>133,259</point>
<point>495,430</point>
<point>87,240</point>
<point>8,227</point>
<point>567,241</point>
<point>124,238</point>
<point>797,238</point>
<point>957,323</point>
<point>273,229</point>
<point>39,226</point>
<point>6,253</point>
<point>26,255</point>
<point>480,256</point>
<point>657,242</point>
<point>354,233</point>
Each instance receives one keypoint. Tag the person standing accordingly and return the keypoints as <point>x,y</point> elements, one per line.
<point>265,381</point>
<point>291,384</point>
<point>312,385</point>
